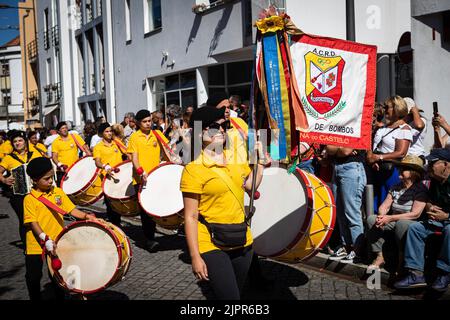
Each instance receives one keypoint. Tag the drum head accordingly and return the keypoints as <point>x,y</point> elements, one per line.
<point>120,186</point>
<point>79,175</point>
<point>281,211</point>
<point>89,257</point>
<point>161,196</point>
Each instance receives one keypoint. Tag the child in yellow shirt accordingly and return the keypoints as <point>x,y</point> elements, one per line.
<point>44,224</point>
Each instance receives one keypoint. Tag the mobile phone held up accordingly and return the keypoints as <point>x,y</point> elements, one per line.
<point>435,109</point>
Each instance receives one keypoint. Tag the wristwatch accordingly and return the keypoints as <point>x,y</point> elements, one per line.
<point>381,157</point>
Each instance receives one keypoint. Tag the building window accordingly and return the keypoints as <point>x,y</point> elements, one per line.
<point>152,15</point>
<point>48,72</point>
<point>233,78</point>
<point>128,19</point>
<point>179,89</point>
<point>46,30</point>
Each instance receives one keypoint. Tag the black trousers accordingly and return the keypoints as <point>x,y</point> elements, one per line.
<point>148,225</point>
<point>113,216</point>
<point>59,176</point>
<point>16,202</point>
<point>33,276</point>
<point>227,271</point>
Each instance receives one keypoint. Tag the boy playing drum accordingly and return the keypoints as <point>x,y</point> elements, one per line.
<point>44,224</point>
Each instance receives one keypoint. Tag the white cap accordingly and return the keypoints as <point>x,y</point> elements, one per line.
<point>410,103</point>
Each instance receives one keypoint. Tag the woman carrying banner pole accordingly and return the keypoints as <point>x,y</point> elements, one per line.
<point>213,193</point>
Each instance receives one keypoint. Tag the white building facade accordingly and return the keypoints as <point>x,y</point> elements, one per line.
<point>11,87</point>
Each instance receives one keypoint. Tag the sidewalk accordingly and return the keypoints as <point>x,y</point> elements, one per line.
<point>320,262</point>
<point>357,271</point>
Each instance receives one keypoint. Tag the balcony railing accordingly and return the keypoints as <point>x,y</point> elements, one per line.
<point>53,92</point>
<point>32,50</point>
<point>46,40</point>
<point>202,7</point>
<point>55,36</point>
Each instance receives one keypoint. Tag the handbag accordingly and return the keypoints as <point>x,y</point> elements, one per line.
<point>227,235</point>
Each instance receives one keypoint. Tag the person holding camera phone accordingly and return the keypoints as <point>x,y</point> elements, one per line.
<point>217,232</point>
<point>441,141</point>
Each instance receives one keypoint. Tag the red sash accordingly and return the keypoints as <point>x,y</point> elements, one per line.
<point>77,143</point>
<point>50,205</point>
<point>121,146</point>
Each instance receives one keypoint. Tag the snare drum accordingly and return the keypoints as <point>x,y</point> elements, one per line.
<point>294,215</point>
<point>82,182</point>
<point>161,197</point>
<point>94,256</point>
<point>120,191</point>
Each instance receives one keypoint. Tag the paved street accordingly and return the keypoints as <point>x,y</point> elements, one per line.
<point>167,274</point>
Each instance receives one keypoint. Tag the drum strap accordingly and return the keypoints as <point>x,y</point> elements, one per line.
<point>166,147</point>
<point>50,205</point>
<point>77,143</point>
<point>42,152</point>
<point>121,146</point>
<point>15,157</point>
<point>232,186</point>
<point>238,127</point>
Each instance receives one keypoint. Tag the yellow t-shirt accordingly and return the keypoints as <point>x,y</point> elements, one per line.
<point>147,148</point>
<point>10,163</point>
<point>67,150</point>
<point>236,146</point>
<point>217,203</point>
<point>108,154</point>
<point>39,146</point>
<point>5,148</point>
<point>50,221</point>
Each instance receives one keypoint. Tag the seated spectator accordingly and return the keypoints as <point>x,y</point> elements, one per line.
<point>390,143</point>
<point>417,122</point>
<point>441,141</point>
<point>438,214</point>
<point>402,207</point>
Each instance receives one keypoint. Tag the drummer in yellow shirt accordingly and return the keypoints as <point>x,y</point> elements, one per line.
<point>5,145</point>
<point>44,224</point>
<point>145,150</point>
<point>34,144</point>
<point>107,155</point>
<point>213,192</point>
<point>19,156</point>
<point>65,149</point>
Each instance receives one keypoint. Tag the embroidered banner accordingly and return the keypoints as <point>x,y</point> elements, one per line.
<point>336,81</point>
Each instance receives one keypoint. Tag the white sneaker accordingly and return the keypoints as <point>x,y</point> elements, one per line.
<point>339,254</point>
<point>349,258</point>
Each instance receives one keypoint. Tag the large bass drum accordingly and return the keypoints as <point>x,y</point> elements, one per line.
<point>161,197</point>
<point>94,256</point>
<point>294,215</point>
<point>82,183</point>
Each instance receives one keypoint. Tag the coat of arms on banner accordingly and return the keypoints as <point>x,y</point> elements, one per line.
<point>323,85</point>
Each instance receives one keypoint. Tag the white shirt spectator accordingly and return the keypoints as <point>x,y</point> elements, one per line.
<point>95,140</point>
<point>50,139</point>
<point>417,147</point>
<point>48,143</point>
<point>388,135</point>
<point>127,132</point>
<point>233,114</point>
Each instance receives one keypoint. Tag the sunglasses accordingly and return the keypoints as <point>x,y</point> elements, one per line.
<point>224,125</point>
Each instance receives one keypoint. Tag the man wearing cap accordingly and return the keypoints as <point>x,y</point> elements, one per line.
<point>145,150</point>
<point>19,156</point>
<point>44,223</point>
<point>438,211</point>
<point>108,155</point>
<point>65,149</point>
